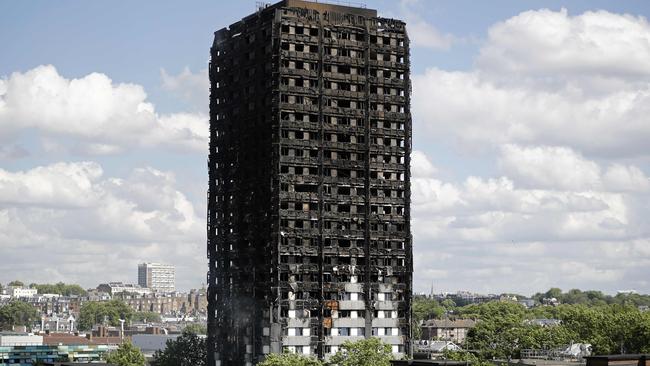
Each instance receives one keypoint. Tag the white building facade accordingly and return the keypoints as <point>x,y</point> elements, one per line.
<point>21,292</point>
<point>114,288</point>
<point>157,276</point>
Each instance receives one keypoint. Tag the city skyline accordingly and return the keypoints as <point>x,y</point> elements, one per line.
<point>529,171</point>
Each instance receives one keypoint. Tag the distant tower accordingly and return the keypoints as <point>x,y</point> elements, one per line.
<point>309,239</point>
<point>157,276</point>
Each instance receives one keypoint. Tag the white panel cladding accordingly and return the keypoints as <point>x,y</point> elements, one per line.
<point>351,305</point>
<point>349,323</point>
<point>386,305</point>
<point>392,339</point>
<point>296,341</point>
<point>338,340</point>
<point>298,323</point>
<point>354,287</point>
<point>385,323</point>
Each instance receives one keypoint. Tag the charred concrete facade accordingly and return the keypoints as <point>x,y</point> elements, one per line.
<point>309,240</point>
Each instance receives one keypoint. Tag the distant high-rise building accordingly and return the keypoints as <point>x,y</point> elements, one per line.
<point>158,277</point>
<point>309,240</point>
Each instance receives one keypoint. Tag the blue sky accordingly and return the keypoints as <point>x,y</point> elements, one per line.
<point>529,132</point>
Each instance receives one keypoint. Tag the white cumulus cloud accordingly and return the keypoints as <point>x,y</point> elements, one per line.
<point>545,43</point>
<point>549,167</point>
<point>546,78</point>
<point>74,224</point>
<point>422,33</point>
<point>102,116</point>
<point>190,86</point>
<point>546,221</point>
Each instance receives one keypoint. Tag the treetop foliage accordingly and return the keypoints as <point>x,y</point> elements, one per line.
<point>365,352</point>
<point>59,288</point>
<point>146,317</point>
<point>289,359</point>
<point>17,313</point>
<point>196,328</point>
<point>611,324</point>
<point>126,355</point>
<point>188,349</point>
<point>95,312</point>
<point>592,298</point>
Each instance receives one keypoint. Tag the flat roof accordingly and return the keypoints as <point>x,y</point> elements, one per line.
<point>322,7</point>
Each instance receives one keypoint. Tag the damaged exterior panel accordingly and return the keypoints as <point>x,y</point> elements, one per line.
<point>309,238</point>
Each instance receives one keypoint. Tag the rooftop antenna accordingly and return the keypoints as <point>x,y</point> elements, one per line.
<point>261,5</point>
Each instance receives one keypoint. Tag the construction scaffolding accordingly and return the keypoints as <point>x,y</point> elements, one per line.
<point>309,238</point>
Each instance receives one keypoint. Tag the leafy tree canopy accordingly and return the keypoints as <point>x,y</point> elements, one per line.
<point>196,328</point>
<point>289,359</point>
<point>16,283</point>
<point>187,350</point>
<point>94,312</point>
<point>126,355</point>
<point>425,308</point>
<point>448,303</point>
<point>17,313</point>
<point>146,317</point>
<point>503,330</point>
<point>366,352</point>
<point>59,288</point>
<point>592,298</point>
<point>465,356</point>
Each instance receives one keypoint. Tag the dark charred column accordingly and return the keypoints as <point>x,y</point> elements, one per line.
<point>308,207</point>
<point>240,200</point>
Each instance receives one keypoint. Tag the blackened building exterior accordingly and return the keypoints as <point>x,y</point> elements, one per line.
<point>309,238</point>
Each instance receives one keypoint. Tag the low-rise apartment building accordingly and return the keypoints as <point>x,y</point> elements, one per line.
<point>447,329</point>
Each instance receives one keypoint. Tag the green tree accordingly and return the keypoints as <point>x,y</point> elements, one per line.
<point>500,330</point>
<point>465,356</point>
<point>196,328</point>
<point>17,313</point>
<point>187,350</point>
<point>448,304</point>
<point>59,288</point>
<point>554,292</point>
<point>423,309</point>
<point>366,352</point>
<point>16,283</point>
<point>126,355</point>
<point>289,359</point>
<point>610,329</point>
<point>593,298</point>
<point>147,317</point>
<point>92,313</point>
